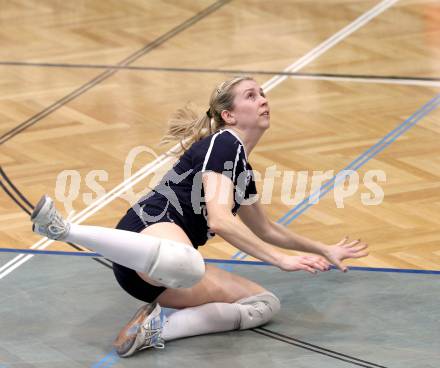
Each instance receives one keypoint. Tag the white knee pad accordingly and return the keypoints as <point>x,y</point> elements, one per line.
<point>257,309</point>
<point>177,265</point>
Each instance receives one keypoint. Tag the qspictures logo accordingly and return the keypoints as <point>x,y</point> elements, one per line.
<point>294,187</point>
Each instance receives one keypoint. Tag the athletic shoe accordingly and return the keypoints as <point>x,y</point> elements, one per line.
<point>47,220</point>
<point>143,331</point>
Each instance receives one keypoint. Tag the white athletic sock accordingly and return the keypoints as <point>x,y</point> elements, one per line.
<point>130,249</point>
<point>201,320</point>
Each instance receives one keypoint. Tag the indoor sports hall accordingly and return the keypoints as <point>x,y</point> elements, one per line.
<point>353,87</point>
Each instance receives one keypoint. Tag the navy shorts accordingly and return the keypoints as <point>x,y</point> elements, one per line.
<point>127,278</point>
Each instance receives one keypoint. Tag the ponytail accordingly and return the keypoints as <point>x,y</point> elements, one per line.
<point>186,127</point>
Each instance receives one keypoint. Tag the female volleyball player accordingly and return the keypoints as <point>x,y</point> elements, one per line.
<point>154,245</point>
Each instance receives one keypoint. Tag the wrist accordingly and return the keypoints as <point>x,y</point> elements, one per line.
<point>322,248</point>
<point>278,259</point>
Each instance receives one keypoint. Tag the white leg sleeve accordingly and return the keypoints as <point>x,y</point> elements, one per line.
<point>201,320</point>
<point>257,309</point>
<point>219,317</point>
<point>172,264</point>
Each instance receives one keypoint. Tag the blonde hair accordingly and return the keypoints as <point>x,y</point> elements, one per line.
<point>186,127</point>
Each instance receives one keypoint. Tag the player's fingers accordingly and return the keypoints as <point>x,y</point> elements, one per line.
<point>341,267</point>
<point>308,265</point>
<point>326,266</point>
<point>320,264</point>
<point>360,254</point>
<point>359,247</point>
<point>323,264</point>
<point>343,241</point>
<point>352,243</point>
<point>318,259</point>
<point>304,267</point>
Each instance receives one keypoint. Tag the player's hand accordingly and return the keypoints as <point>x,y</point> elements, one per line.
<point>345,249</point>
<point>309,263</point>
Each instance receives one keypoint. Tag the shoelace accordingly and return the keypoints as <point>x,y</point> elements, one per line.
<point>152,339</point>
<point>57,225</point>
<point>151,334</point>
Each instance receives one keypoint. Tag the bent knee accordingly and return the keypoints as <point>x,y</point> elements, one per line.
<point>258,309</point>
<point>177,265</point>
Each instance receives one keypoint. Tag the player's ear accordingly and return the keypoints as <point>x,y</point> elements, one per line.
<point>228,117</point>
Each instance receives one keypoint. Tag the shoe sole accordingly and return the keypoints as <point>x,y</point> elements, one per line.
<point>125,342</point>
<point>42,207</point>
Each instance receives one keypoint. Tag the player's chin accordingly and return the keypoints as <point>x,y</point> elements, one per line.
<point>264,122</point>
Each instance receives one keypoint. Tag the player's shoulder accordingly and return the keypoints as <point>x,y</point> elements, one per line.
<point>228,136</point>
<point>221,139</point>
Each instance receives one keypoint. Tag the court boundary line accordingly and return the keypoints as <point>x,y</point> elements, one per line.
<point>207,70</point>
<point>109,359</point>
<point>9,193</point>
<point>393,80</point>
<point>4,176</point>
<point>215,261</point>
<point>315,348</point>
<point>360,78</point>
<point>272,83</point>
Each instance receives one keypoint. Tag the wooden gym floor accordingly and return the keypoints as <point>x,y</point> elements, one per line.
<point>84,86</point>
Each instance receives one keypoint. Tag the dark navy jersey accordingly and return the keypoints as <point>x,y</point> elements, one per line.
<point>180,192</point>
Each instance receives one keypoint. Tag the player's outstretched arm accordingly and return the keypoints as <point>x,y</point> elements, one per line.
<point>254,217</point>
<point>219,201</point>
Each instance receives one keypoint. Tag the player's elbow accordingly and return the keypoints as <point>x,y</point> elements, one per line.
<point>220,224</point>
<point>215,226</point>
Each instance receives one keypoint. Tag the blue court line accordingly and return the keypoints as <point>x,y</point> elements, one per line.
<point>395,270</point>
<point>376,148</point>
<point>49,252</point>
<point>337,179</point>
<point>351,268</point>
<point>357,163</point>
<point>108,360</point>
<point>212,260</point>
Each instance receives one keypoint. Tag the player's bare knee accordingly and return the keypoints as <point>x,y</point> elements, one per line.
<point>258,309</point>
<point>177,265</point>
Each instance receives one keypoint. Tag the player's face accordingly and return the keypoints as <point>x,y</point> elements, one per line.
<point>251,109</point>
